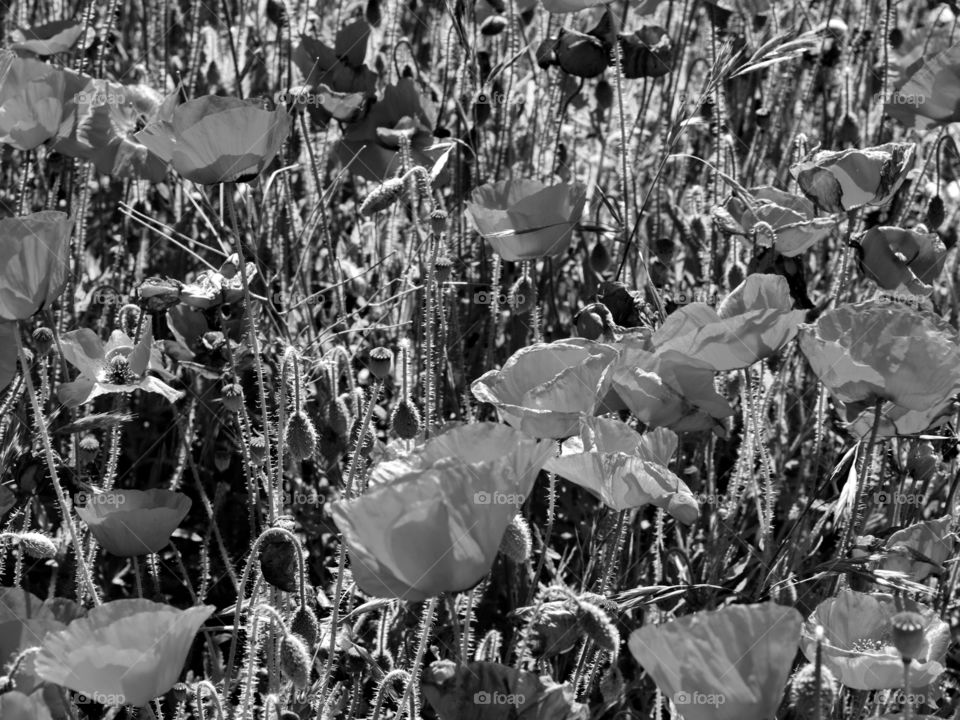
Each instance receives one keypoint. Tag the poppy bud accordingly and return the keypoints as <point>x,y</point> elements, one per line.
<point>600,257</point>
<point>37,545</point>
<point>338,416</point>
<point>278,563</point>
<point>444,268</point>
<point>43,340</point>
<point>908,633</point>
<point>936,213</point>
<point>589,325</point>
<point>382,197</point>
<point>547,53</point>
<point>555,630</point>
<point>803,692</point>
<point>493,25</point>
<point>405,421</point>
<point>295,661</point>
<point>597,626</point>
<point>438,221</point>
<point>523,295</point>
<point>258,448</point>
<point>603,92</point>
<point>300,436</point>
<point>89,446</point>
<point>581,55</point>
<point>180,692</point>
<point>381,362</point>
<point>305,624</point>
<point>516,543</point>
<point>232,397</point>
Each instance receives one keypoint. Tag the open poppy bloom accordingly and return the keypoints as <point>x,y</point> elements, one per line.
<point>873,351</point>
<point>525,219</point>
<point>341,86</point>
<point>134,522</point>
<point>124,652</point>
<point>790,216</point>
<point>858,647</point>
<point>665,389</point>
<point>752,323</point>
<point>99,124</point>
<point>453,691</point>
<point>117,366</point>
<point>372,146</point>
<point>545,387</point>
<point>909,550</point>
<point>48,39</point>
<point>31,101</point>
<point>839,181</point>
<point>34,262</point>
<point>726,664</point>
<point>624,468</point>
<point>930,96</point>
<point>214,139</point>
<point>433,521</point>
<point>902,260</point>
<point>214,287</point>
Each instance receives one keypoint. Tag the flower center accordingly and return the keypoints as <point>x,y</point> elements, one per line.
<point>118,372</point>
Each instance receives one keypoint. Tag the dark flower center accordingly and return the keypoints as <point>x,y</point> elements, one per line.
<point>118,371</point>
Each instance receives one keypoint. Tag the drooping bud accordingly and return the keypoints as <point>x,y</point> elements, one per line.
<point>405,421</point>
<point>305,624</point>
<point>37,545</point>
<point>295,661</point>
<point>517,543</point>
<point>597,626</point>
<point>382,197</point>
<point>300,436</point>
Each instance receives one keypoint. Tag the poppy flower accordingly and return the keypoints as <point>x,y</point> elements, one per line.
<point>134,522</point>
<point>909,549</point>
<point>723,664</point>
<point>930,94</point>
<point>15,705</point>
<point>624,468</point>
<point>479,690</point>
<point>858,647</point>
<point>49,39</point>
<point>372,146</point>
<point>34,262</point>
<point>902,260</point>
<point>647,52</point>
<point>543,389</point>
<point>341,85</point>
<point>839,181</point>
<point>31,101</point>
<point>752,323</point>
<point>124,652</point>
<point>432,522</point>
<point>99,124</point>
<point>213,287</point>
<point>525,219</point>
<point>117,366</point>
<point>665,389</point>
<point>875,351</point>
<point>790,216</point>
<point>214,139</point>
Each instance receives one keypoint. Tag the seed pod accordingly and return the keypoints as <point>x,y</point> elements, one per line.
<point>382,197</point>
<point>581,55</point>
<point>37,545</point>
<point>295,661</point>
<point>516,543</point>
<point>381,362</point>
<point>231,396</point>
<point>305,624</point>
<point>180,692</point>
<point>438,221</point>
<point>89,446</point>
<point>405,421</point>
<point>300,436</point>
<point>907,633</point>
<point>803,692</point>
<point>43,340</point>
<point>444,268</point>
<point>258,448</point>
